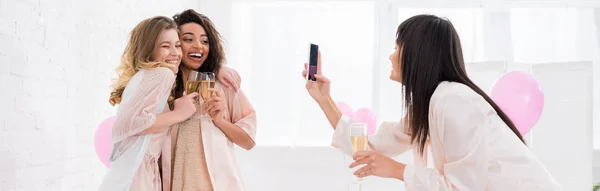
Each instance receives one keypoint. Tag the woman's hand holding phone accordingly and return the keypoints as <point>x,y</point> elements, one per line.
<point>319,89</point>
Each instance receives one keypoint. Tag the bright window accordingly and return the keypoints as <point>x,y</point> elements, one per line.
<point>269,46</point>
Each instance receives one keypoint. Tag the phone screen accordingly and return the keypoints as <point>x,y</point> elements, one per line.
<point>312,62</point>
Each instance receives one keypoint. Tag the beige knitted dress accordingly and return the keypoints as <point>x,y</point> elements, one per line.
<point>190,172</point>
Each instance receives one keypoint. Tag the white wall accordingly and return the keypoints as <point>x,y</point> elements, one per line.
<point>306,168</point>
<point>596,172</point>
<point>56,59</point>
<point>596,169</point>
<point>562,139</point>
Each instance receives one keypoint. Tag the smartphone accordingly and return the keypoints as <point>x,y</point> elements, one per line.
<point>312,62</point>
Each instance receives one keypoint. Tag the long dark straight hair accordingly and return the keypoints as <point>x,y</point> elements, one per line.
<point>431,54</point>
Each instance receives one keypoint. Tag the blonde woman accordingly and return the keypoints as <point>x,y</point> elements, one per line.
<point>146,77</point>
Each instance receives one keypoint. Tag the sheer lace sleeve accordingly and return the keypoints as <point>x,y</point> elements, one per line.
<point>146,93</point>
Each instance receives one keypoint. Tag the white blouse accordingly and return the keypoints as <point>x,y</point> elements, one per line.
<point>472,148</point>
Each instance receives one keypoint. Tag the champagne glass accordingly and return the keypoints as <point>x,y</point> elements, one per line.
<point>193,82</point>
<point>359,140</point>
<point>207,80</point>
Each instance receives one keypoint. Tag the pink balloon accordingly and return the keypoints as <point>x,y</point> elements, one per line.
<point>365,115</point>
<point>344,108</point>
<point>102,140</point>
<point>520,97</point>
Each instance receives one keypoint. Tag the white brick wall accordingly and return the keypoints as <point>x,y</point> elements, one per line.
<point>56,62</point>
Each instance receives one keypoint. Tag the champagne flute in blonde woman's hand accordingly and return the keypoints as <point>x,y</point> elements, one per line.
<point>193,82</point>
<point>359,140</point>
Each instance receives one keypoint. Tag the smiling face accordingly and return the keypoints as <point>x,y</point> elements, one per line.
<point>195,45</point>
<point>168,48</point>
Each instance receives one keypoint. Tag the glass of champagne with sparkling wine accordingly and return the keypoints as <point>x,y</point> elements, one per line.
<point>193,82</point>
<point>359,140</point>
<point>207,80</point>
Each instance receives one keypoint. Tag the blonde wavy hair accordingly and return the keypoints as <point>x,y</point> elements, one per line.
<point>138,53</point>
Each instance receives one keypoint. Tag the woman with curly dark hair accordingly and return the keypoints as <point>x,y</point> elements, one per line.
<point>203,146</point>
